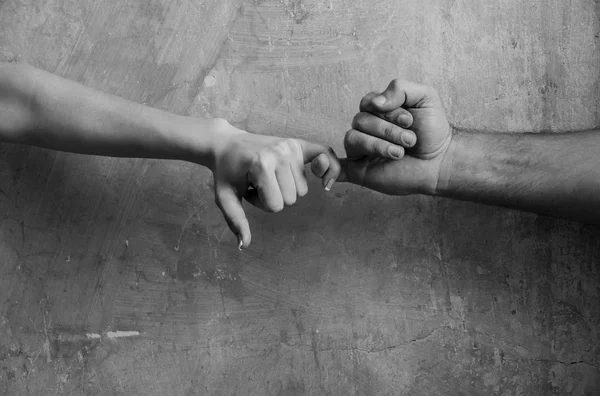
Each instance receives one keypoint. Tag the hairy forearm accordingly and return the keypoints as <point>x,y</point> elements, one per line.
<point>555,174</point>
<point>41,109</point>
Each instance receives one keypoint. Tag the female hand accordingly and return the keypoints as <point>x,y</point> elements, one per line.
<point>267,171</point>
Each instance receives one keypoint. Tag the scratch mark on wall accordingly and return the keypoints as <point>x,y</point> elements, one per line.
<point>46,348</point>
<point>183,228</point>
<point>111,335</point>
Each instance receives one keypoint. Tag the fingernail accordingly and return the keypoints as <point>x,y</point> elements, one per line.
<point>379,100</point>
<point>404,120</point>
<point>329,185</point>
<point>240,244</point>
<point>395,151</point>
<point>408,138</point>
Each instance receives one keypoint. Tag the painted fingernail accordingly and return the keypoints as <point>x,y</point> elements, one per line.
<point>379,100</point>
<point>395,151</point>
<point>408,138</point>
<point>240,244</point>
<point>329,185</point>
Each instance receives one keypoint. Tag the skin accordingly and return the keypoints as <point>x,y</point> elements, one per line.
<point>535,172</point>
<point>44,110</point>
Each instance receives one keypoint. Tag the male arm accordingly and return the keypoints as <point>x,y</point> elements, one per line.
<point>41,109</point>
<point>556,174</point>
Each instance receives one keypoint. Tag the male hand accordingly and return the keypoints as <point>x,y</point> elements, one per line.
<point>267,171</point>
<point>397,143</point>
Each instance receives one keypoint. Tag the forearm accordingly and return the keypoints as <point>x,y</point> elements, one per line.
<point>555,174</point>
<point>41,109</point>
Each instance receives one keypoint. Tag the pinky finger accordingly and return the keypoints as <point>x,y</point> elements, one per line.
<point>326,166</point>
<point>333,172</point>
<point>320,165</point>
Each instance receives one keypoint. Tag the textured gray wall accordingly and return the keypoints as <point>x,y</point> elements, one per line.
<point>346,293</point>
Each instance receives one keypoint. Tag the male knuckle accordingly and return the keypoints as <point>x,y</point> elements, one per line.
<point>363,103</point>
<point>389,132</point>
<point>351,137</point>
<point>395,116</point>
<point>364,118</point>
<point>358,121</point>
<point>366,100</point>
<point>381,148</point>
<point>372,145</point>
<point>390,115</point>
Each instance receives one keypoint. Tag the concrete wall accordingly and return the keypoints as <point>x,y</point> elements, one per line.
<point>346,293</point>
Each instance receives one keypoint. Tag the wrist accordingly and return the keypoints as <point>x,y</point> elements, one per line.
<point>446,165</point>
<point>209,140</point>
